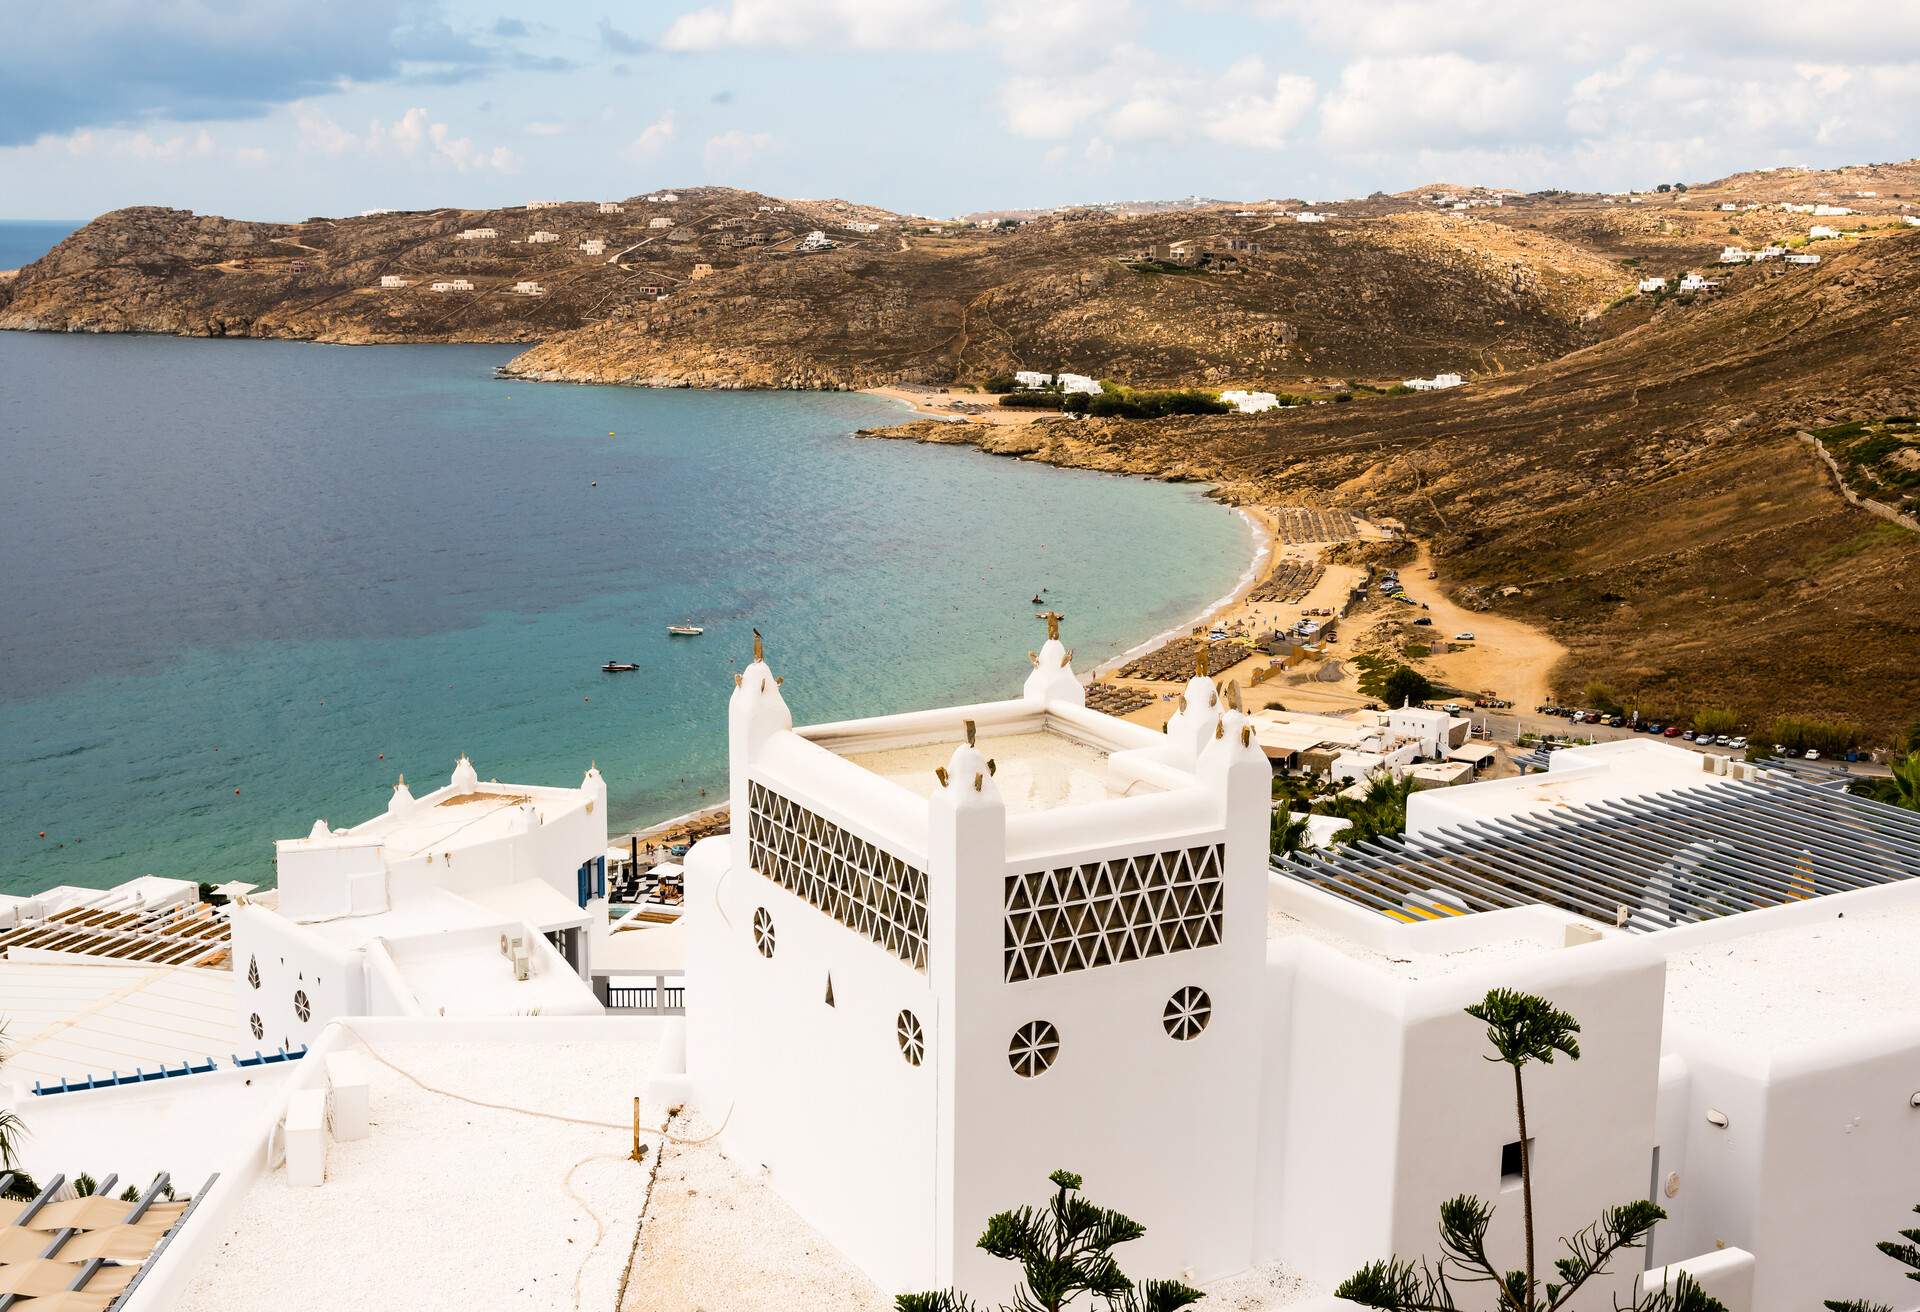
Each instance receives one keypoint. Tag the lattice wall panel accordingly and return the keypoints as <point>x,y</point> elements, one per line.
<point>868,890</point>
<point>1123,909</point>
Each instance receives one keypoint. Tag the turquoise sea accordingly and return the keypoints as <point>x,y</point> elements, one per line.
<point>247,583</point>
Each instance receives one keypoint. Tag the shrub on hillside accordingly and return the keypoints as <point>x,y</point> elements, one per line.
<point>1117,402</point>
<point>1829,737</point>
<point>1033,400</point>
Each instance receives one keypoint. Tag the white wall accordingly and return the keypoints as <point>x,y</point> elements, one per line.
<point>291,958</point>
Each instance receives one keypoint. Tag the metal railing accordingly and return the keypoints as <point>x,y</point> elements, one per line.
<point>666,996</point>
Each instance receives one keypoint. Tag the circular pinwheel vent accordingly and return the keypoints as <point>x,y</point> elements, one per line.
<point>1034,1047</point>
<point>301,1007</point>
<point>913,1044</point>
<point>253,1023</point>
<point>763,932</point>
<point>1187,1012</point>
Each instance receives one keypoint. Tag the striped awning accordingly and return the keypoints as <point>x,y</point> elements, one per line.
<point>1641,864</point>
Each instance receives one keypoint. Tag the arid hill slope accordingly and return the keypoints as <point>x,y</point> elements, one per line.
<point>1383,296</point>
<point>172,271</point>
<point>1646,498</point>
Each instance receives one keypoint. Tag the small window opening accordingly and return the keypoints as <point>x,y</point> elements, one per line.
<point>829,990</point>
<point>1510,1164</point>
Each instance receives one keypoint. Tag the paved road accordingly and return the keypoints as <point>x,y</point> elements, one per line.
<point>1507,726</point>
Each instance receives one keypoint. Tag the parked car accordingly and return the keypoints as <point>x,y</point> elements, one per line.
<point>1467,636</point>
<point>1654,726</point>
<point>1618,722</point>
<point>1813,753</point>
<point>1737,742</point>
<point>1671,731</point>
<point>1423,620</point>
<point>1686,735</point>
<point>1721,740</point>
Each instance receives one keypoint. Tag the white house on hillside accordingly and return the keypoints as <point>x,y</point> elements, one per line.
<point>1653,284</point>
<point>1250,403</point>
<point>612,207</point>
<point>393,280</point>
<point>1821,232</point>
<point>1437,383</point>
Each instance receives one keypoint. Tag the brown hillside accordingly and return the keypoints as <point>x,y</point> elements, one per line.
<point>1646,498</point>
<point>1370,298</point>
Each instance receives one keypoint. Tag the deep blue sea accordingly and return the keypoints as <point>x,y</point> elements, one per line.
<point>243,584</point>
<point>22,241</point>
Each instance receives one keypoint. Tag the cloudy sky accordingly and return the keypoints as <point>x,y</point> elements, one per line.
<point>277,110</point>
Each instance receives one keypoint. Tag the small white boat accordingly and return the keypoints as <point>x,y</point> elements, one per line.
<point>685,630</point>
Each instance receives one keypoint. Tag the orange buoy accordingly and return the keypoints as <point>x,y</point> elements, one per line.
<point>236,792</point>
<point>383,756</point>
<point>43,833</point>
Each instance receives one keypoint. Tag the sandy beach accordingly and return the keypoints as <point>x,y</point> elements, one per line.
<point>958,404</point>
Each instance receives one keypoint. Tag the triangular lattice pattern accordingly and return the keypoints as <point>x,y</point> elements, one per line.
<point>866,889</point>
<point>1122,909</point>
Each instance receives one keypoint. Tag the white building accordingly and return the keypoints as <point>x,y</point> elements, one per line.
<point>612,207</point>
<point>1031,380</point>
<point>545,204</point>
<point>542,238</point>
<point>1734,255</point>
<point>477,234</point>
<point>1308,216</point>
<point>945,951</point>
<point>1802,257</point>
<point>393,280</point>
<point>858,225</point>
<point>1727,207</point>
<point>1653,284</point>
<point>452,285</point>
<point>476,899</point>
<point>1821,232</point>
<point>1250,403</point>
<point>659,221</point>
<point>529,288</point>
<point>1693,282</point>
<point>1766,253</point>
<point>662,198</point>
<point>1078,383</point>
<point>1437,383</point>
<point>1832,210</point>
<point>815,241</point>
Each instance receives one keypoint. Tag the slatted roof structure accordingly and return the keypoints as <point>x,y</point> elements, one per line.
<point>174,936</point>
<point>84,1253</point>
<point>1642,864</point>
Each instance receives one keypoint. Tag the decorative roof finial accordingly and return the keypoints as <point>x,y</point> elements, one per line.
<point>759,648</point>
<point>1053,618</point>
<point>1202,656</point>
<point>401,782</point>
<point>971,731</point>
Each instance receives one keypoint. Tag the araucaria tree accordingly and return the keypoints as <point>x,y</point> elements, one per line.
<point>1906,1252</point>
<point>1065,1250</point>
<point>1523,1029</point>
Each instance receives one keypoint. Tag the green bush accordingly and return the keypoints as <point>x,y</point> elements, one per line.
<point>1829,737</point>
<point>1715,720</point>
<point>1033,400</point>
<point>1117,402</point>
<point>1000,383</point>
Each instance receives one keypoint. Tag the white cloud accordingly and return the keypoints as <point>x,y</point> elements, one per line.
<point>1262,119</point>
<point>859,24</point>
<point>167,149</point>
<point>1048,109</point>
<point>652,139</point>
<point>1439,99</point>
<point>735,148</point>
<point>413,133</point>
<point>545,129</point>
<point>251,156</point>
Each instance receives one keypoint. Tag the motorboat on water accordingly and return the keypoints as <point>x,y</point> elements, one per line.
<point>685,630</point>
<point>620,667</point>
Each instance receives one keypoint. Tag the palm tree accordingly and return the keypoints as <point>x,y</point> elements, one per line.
<point>12,1128</point>
<point>1289,831</point>
<point>1901,788</point>
<point>1379,813</point>
<point>1907,1253</point>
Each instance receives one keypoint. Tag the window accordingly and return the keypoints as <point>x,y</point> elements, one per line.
<point>301,1007</point>
<point>830,1001</point>
<point>1033,1048</point>
<point>763,932</point>
<point>913,1045</point>
<point>254,1024</point>
<point>1510,1164</point>
<point>1121,909</point>
<point>1187,1012</point>
<point>253,971</point>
